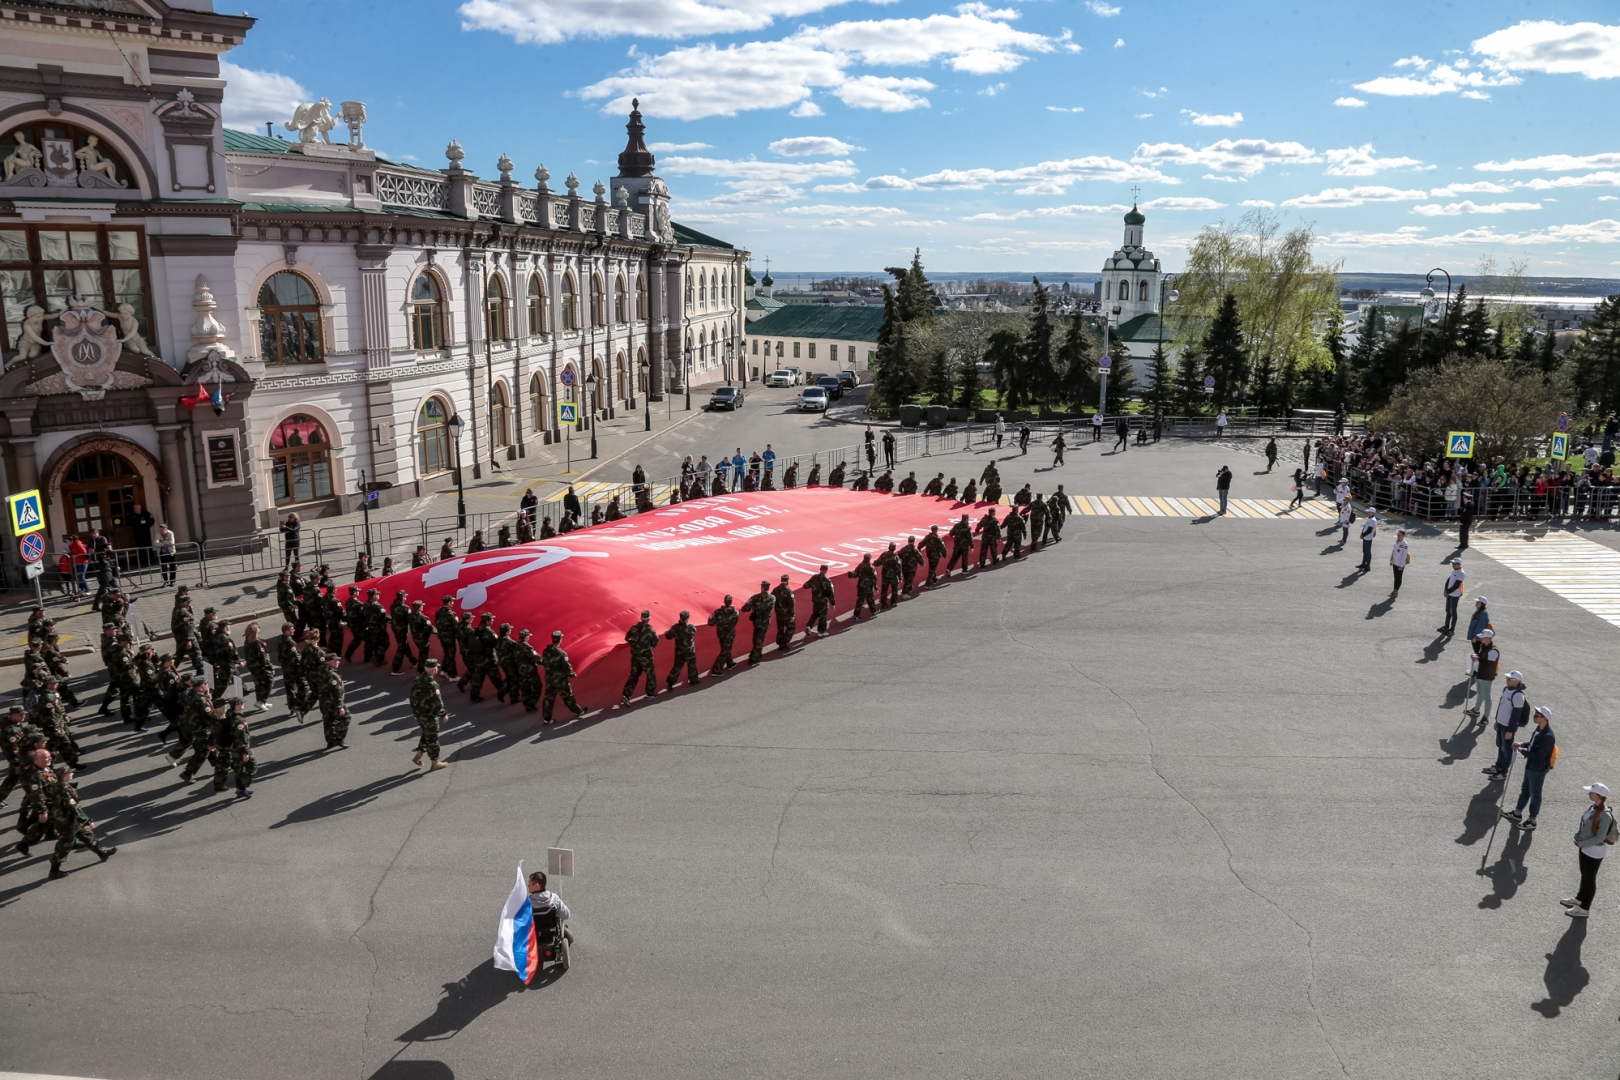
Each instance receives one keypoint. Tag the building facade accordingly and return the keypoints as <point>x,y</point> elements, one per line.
<point>327,313</point>
<point>821,339</point>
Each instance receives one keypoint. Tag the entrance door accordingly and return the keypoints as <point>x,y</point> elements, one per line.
<point>101,491</point>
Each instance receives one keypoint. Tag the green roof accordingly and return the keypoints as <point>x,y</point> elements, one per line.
<point>822,321</point>
<point>246,142</point>
<point>760,302</point>
<point>1142,328</point>
<point>684,235</point>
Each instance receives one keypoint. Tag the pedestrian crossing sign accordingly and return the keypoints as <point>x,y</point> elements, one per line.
<point>568,413</point>
<point>27,514</point>
<point>1460,444</point>
<point>1560,447</point>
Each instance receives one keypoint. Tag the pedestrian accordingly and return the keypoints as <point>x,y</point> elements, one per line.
<point>1158,424</point>
<point>1400,557</point>
<point>1465,519</point>
<point>1347,517</point>
<point>1096,426</point>
<point>769,459</point>
<point>1271,453</point>
<point>571,505</point>
<point>1593,836</point>
<point>1001,430</point>
<point>738,467</point>
<point>81,565</point>
<point>1122,433</point>
<point>1369,532</point>
<point>1539,752</point>
<point>1299,490</point>
<point>1057,451</point>
<point>1023,437</point>
<point>1220,424</point>
<point>1512,713</point>
<point>1307,453</point>
<point>890,444</point>
<point>289,539</point>
<point>529,506</point>
<point>1453,591</point>
<point>1480,619</point>
<point>141,522</point>
<point>164,541</point>
<point>1483,665</point>
<point>1223,485</point>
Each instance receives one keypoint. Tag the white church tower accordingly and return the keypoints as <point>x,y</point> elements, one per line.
<point>1130,277</point>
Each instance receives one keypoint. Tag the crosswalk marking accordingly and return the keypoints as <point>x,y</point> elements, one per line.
<point>1586,574</point>
<point>1182,506</point>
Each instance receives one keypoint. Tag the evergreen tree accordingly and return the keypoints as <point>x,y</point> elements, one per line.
<point>1474,334</point>
<point>1077,366</point>
<point>1443,341</point>
<point>1390,365</point>
<point>1595,358</point>
<point>968,384</point>
<point>1368,391</point>
<point>1006,356</point>
<point>1549,360</point>
<point>912,301</point>
<point>1038,369</point>
<point>1317,394</point>
<point>938,387</point>
<point>1190,381</point>
<point>1121,378</point>
<point>1527,357</point>
<point>892,383</point>
<point>1159,395</point>
<point>1223,353</point>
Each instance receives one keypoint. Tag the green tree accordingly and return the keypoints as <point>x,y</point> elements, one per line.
<point>1370,389</point>
<point>1392,364</point>
<point>939,385</point>
<point>1077,366</point>
<point>1121,378</point>
<point>1190,380</point>
<point>1224,353</point>
<point>1006,357</point>
<point>1159,394</point>
<point>969,387</point>
<point>1039,373</point>
<point>894,377</point>
<point>1594,360</point>
<point>1509,412</point>
<point>913,301</point>
<point>1474,334</point>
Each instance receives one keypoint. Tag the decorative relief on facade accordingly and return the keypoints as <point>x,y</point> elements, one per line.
<point>487,200</point>
<point>528,207</point>
<point>86,347</point>
<point>55,163</point>
<point>416,190</point>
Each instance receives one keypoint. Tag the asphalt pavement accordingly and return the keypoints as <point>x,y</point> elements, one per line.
<point>1175,797</point>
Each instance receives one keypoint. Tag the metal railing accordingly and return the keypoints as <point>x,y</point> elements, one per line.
<point>137,568</point>
<point>1591,502</point>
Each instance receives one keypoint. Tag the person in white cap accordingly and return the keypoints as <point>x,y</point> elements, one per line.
<point>1400,557</point>
<point>1482,668</point>
<point>1453,591</point>
<point>1369,531</point>
<point>1593,836</point>
<point>1512,713</point>
<point>1538,753</point>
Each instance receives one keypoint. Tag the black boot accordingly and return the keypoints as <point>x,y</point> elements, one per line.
<point>23,847</point>
<point>56,869</point>
<point>103,853</point>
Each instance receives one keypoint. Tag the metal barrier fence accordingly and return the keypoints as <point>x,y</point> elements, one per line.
<point>1592,502</point>
<point>137,568</point>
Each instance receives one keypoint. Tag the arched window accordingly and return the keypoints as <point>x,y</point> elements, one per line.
<point>641,369</point>
<point>598,312</point>
<point>1108,290</point>
<point>703,293</point>
<point>289,320</point>
<point>570,304</point>
<point>1142,291</point>
<point>500,425</point>
<point>300,461</point>
<point>537,405</point>
<point>433,436</point>
<point>427,313</point>
<point>622,377</point>
<point>537,305</point>
<point>641,297</point>
<point>689,292</point>
<point>601,386</point>
<point>714,289</point>
<point>621,301</point>
<point>495,325</point>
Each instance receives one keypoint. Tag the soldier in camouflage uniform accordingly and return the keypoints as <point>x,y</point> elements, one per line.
<point>910,559</point>
<point>354,613</point>
<point>168,699</point>
<point>835,478</point>
<point>684,635</point>
<point>226,659</point>
<point>483,661</point>
<point>285,599</point>
<point>258,663</point>
<point>1057,512</point>
<point>558,670</point>
<point>233,750</point>
<point>786,622</point>
<point>311,663</point>
<point>865,576</point>
<point>184,628</point>
<point>174,705</point>
<point>444,624</point>
<point>147,691</point>
<point>934,548</point>
<point>465,629</point>
<point>642,639</point>
<point>31,753</point>
<point>760,607</point>
<point>1037,522</point>
<point>888,565</point>
<point>427,705</point>
<point>109,644</point>
<point>292,672</point>
<point>421,628</point>
<point>525,677</point>
<point>507,663</point>
<point>990,546</point>
<point>961,546</point>
<point>196,727</point>
<point>36,625</point>
<point>61,812</point>
<point>724,620</point>
<point>1015,527</point>
<point>11,735</point>
<point>822,598</point>
<point>334,714</point>
<point>376,629</point>
<point>50,650</point>
<point>399,619</point>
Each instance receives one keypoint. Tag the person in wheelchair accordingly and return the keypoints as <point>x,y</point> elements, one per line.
<point>549,910</point>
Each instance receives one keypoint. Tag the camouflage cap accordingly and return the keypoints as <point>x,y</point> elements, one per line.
<point>523,635</point>
<point>209,610</point>
<point>430,662</point>
<point>556,635</point>
<point>505,626</point>
<point>447,598</point>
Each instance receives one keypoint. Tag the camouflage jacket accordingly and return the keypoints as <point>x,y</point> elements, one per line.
<point>724,620</point>
<point>558,666</point>
<point>427,704</point>
<point>684,635</point>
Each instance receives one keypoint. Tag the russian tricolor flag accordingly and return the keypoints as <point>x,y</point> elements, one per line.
<point>516,949</point>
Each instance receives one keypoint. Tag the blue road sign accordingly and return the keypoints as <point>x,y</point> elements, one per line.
<point>1460,444</point>
<point>32,547</point>
<point>568,377</point>
<point>1560,447</point>
<point>1563,421</point>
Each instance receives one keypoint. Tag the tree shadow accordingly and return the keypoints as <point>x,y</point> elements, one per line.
<point>1509,871</point>
<point>342,801</point>
<point>1382,608</point>
<point>1461,744</point>
<point>1566,976</point>
<point>468,998</point>
<point>1480,817</point>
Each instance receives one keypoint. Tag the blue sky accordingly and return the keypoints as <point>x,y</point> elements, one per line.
<point>839,135</point>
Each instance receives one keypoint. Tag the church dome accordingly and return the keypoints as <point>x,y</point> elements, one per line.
<point>1135,216</point>
<point>766,280</point>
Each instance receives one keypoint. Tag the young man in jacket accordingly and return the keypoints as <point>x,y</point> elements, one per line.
<point>1537,751</point>
<point>1512,713</point>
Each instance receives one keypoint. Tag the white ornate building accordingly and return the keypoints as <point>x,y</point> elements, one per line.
<point>344,307</point>
<point>1131,281</point>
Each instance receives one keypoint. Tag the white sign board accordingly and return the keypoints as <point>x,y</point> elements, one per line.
<point>559,862</point>
<point>35,569</point>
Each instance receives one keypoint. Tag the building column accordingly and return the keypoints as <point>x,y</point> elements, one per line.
<point>176,506</point>
<point>27,467</point>
<point>658,304</point>
<point>382,450</point>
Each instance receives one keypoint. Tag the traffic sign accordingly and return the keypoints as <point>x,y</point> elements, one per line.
<point>32,547</point>
<point>1209,382</point>
<point>568,413</point>
<point>568,376</point>
<point>1105,362</point>
<point>371,496</point>
<point>27,512</point>
<point>1460,444</point>
<point>34,570</point>
<point>1563,421</point>
<point>1560,447</point>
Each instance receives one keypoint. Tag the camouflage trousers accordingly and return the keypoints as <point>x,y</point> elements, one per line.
<point>865,595</point>
<point>641,663</point>
<point>429,742</point>
<point>889,591</point>
<point>690,660</point>
<point>786,627</point>
<point>526,684</point>
<point>474,680</point>
<point>223,766</point>
<point>334,721</point>
<point>262,678</point>
<point>448,647</point>
<point>723,660</point>
<point>554,689</point>
<point>757,652</point>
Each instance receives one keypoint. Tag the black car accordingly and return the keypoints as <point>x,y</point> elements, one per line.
<point>848,380</point>
<point>726,397</point>
<point>833,386</point>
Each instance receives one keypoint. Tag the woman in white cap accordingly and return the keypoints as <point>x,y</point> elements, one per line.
<point>1483,665</point>
<point>1592,838</point>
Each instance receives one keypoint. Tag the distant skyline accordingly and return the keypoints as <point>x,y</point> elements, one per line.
<point>847,132</point>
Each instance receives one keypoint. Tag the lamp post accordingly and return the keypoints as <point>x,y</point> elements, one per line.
<point>365,507</point>
<point>454,424</point>
<point>731,353</point>
<point>590,399</point>
<point>646,377</point>
<point>689,378</point>
<point>1104,363</point>
<point>1427,295</point>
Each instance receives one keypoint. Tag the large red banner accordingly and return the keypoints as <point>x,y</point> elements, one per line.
<point>593,584</point>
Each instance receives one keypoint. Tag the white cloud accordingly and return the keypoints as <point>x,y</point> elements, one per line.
<point>740,173</point>
<point>1144,116</point>
<point>1605,231</point>
<point>1444,79</point>
<point>1044,178</point>
<point>1119,43</point>
<point>1362,161</point>
<point>1060,108</point>
<point>1097,7</point>
<point>1587,48</point>
<point>1552,163</point>
<point>1356,196</point>
<point>1477,187</point>
<point>844,189</point>
<point>704,80</point>
<point>1263,204</point>
<point>806,108</point>
<point>1349,103</point>
<point>1597,179</point>
<point>1476,95</point>
<point>546,22</point>
<point>1214,119</point>
<point>993,89</point>
<point>829,208</point>
<point>1247,156</point>
<point>809,146</point>
<point>1413,62</point>
<point>1182,202</point>
<point>254,97</point>
<point>1609,198</point>
<point>677,147</point>
<point>884,92</point>
<point>1051,211</point>
<point>1226,179</point>
<point>1469,206</point>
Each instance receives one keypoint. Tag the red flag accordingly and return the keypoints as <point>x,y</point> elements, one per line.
<point>202,396</point>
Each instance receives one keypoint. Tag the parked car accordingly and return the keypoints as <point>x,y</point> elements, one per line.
<point>798,375</point>
<point>831,384</point>
<point>779,377</point>
<point>813,399</point>
<point>849,380</point>
<point>726,397</point>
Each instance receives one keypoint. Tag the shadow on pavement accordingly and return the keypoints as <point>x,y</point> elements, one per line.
<point>464,1001</point>
<point>342,801</point>
<point>1566,976</point>
<point>1481,814</point>
<point>1380,609</point>
<point>1461,744</point>
<point>1509,871</point>
<point>1431,653</point>
<point>414,1070</point>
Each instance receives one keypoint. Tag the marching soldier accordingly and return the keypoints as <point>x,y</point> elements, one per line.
<point>427,705</point>
<point>334,714</point>
<point>144,672</point>
<point>376,628</point>
<point>936,486</point>
<point>934,549</point>
<point>724,620</point>
<point>684,635</point>
<point>885,483</point>
<point>1037,522</point>
<point>908,486</point>
<point>760,607</point>
<point>836,477</point>
<point>292,672</point>
<point>970,494</point>
<point>482,661</point>
<point>258,664</point>
<point>444,624</point>
<point>865,576</point>
<point>910,559</point>
<point>233,750</point>
<point>196,727</point>
<point>421,632</point>
<point>786,624</point>
<point>1015,526</point>
<point>950,490</point>
<point>354,613</point>
<point>507,663</point>
<point>525,678</point>
<point>815,476</point>
<point>990,546</point>
<point>1057,513</point>
<point>558,671</point>
<point>399,619</point>
<point>888,564</point>
<point>822,598</point>
<point>50,650</point>
<point>62,812</point>
<point>642,639</point>
<point>284,597</point>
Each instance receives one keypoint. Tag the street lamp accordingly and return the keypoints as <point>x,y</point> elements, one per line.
<point>365,507</point>
<point>689,378</point>
<point>590,398</point>
<point>1427,296</point>
<point>646,377</point>
<point>1105,362</point>
<point>731,352</point>
<point>454,424</point>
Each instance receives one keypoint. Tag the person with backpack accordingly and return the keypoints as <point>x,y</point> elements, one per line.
<point>1540,755</point>
<point>1593,836</point>
<point>1482,668</point>
<point>1512,713</point>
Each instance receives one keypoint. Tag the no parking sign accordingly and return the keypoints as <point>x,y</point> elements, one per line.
<point>32,547</point>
